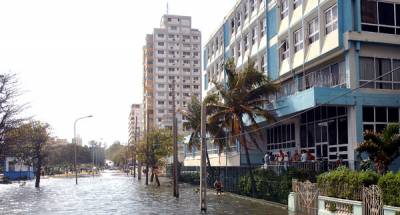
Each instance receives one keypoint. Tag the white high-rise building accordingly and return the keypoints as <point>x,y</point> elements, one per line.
<point>172,52</point>
<point>135,123</point>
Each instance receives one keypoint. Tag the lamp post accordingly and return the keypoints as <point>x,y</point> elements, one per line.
<point>76,172</point>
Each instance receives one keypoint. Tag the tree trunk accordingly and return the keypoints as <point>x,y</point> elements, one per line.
<point>38,170</point>
<point>209,165</point>
<point>139,173</point>
<point>252,180</point>
<point>152,176</point>
<point>157,181</point>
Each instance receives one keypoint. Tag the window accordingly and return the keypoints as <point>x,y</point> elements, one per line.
<point>160,102</point>
<point>331,18</point>
<point>245,11</point>
<point>160,35</point>
<point>195,37</point>
<point>262,27</point>
<point>238,52</point>
<point>246,42</point>
<point>160,77</point>
<point>313,30</point>
<point>253,36</point>
<point>284,8</point>
<point>377,118</point>
<point>379,16</point>
<point>263,62</point>
<point>238,19</point>
<point>173,27</point>
<point>160,43</point>
<point>322,127</point>
<point>160,51</point>
<point>281,137</point>
<point>297,3</point>
<point>284,49</point>
<point>232,26</point>
<point>160,60</point>
<point>379,69</point>
<point>252,5</point>
<point>298,40</point>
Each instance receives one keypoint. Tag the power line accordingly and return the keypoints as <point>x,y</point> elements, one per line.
<point>304,111</point>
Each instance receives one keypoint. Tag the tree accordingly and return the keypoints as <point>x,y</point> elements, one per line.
<point>9,109</point>
<point>382,148</point>
<point>160,146</point>
<point>193,116</point>
<point>239,104</point>
<point>116,153</point>
<point>29,142</point>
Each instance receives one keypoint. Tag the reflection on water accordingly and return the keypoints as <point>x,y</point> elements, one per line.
<point>115,193</point>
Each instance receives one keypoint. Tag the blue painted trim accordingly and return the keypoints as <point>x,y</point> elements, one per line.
<point>357,64</point>
<point>359,123</point>
<point>273,61</point>
<point>319,95</point>
<point>17,175</point>
<point>357,15</point>
<point>272,23</point>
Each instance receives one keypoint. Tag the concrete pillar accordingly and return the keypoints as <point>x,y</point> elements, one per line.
<point>292,199</point>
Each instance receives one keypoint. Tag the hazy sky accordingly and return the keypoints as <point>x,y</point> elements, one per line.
<point>79,57</point>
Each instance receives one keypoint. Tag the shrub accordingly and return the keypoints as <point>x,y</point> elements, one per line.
<point>344,183</point>
<point>390,185</point>
<point>273,187</point>
<point>192,178</point>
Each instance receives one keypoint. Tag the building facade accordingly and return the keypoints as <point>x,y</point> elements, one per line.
<point>135,123</point>
<point>172,55</point>
<point>335,61</point>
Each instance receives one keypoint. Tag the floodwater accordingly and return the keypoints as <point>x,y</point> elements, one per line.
<point>116,193</point>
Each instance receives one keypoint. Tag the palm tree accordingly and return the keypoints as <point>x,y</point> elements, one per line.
<point>382,147</point>
<point>239,105</point>
<point>193,116</point>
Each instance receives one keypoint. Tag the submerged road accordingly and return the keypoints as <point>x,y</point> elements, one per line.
<point>115,193</point>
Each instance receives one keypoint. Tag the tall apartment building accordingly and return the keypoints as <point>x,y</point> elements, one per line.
<point>171,53</point>
<point>135,123</point>
<point>320,51</point>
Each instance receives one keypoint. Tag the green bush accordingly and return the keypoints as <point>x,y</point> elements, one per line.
<point>273,187</point>
<point>192,178</point>
<point>344,183</point>
<point>390,185</point>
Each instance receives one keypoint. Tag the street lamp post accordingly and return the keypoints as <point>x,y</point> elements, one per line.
<point>76,172</point>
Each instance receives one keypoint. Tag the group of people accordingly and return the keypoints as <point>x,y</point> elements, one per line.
<point>285,157</point>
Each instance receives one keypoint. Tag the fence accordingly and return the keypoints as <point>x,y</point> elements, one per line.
<point>311,199</point>
<point>312,166</point>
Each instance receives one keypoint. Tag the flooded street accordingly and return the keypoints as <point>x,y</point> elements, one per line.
<point>115,193</point>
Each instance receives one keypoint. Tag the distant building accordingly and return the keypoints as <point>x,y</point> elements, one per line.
<point>171,53</point>
<point>78,140</point>
<point>58,141</point>
<point>15,169</point>
<point>135,123</point>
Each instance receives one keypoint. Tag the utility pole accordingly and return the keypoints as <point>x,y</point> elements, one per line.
<point>203,171</point>
<point>147,151</point>
<point>174,130</point>
<point>134,149</point>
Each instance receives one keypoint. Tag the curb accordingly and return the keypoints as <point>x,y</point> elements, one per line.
<point>261,201</point>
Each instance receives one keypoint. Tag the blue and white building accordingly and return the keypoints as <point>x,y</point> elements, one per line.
<point>16,169</point>
<point>320,51</point>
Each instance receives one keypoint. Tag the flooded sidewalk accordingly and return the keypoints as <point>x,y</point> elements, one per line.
<point>116,193</point>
